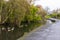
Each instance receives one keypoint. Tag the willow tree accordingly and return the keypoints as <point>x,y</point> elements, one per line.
<point>13,11</point>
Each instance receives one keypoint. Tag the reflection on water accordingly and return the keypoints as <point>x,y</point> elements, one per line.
<point>12,34</point>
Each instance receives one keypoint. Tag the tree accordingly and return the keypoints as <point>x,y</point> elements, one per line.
<point>41,11</point>
<point>13,11</point>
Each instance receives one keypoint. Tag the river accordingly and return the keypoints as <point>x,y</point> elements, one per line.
<point>50,31</point>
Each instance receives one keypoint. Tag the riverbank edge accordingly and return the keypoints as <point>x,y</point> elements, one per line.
<point>26,34</point>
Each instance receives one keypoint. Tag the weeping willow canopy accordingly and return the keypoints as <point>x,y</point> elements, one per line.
<point>13,11</point>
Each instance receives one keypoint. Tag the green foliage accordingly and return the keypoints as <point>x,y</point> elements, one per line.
<point>19,16</point>
<point>54,15</point>
<point>32,16</point>
<point>17,12</point>
<point>47,16</point>
<point>13,10</point>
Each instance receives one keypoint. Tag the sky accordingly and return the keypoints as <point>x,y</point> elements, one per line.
<point>51,4</point>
